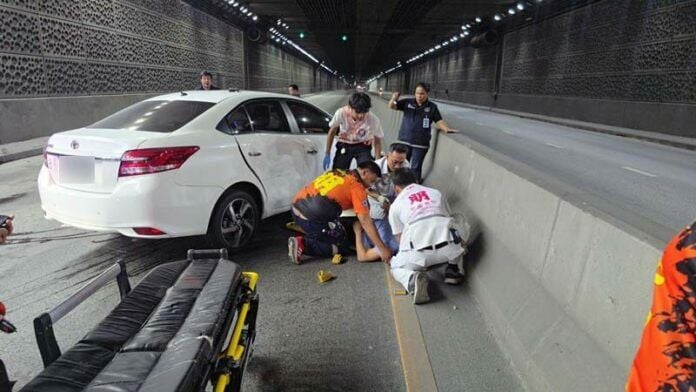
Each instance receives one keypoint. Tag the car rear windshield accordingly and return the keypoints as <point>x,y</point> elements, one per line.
<point>155,116</point>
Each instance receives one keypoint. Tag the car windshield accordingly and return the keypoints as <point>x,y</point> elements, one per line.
<point>154,116</point>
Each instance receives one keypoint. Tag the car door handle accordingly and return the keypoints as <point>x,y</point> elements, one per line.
<point>253,153</point>
<point>312,151</point>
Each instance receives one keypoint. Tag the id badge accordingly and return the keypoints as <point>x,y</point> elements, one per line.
<point>426,122</point>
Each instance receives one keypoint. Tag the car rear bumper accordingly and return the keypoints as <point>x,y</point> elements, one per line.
<point>151,200</point>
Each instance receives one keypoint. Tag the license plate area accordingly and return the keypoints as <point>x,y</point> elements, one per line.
<point>72,169</point>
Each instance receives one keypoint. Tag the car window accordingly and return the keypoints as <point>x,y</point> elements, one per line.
<point>235,122</point>
<point>154,116</point>
<point>309,119</point>
<point>267,116</point>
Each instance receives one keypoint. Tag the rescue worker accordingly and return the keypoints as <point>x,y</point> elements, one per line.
<point>317,207</point>
<point>666,357</point>
<point>380,197</point>
<point>423,226</point>
<point>358,132</point>
<point>419,115</point>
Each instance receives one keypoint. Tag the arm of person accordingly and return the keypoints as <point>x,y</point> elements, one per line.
<point>378,147</point>
<point>393,100</point>
<point>444,127</point>
<point>364,255</point>
<point>371,230</point>
<point>330,139</point>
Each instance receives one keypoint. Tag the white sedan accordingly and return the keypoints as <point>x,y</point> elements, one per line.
<point>184,164</point>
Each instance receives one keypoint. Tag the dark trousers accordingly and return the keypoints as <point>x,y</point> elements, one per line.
<point>360,152</point>
<point>415,157</point>
<point>321,237</point>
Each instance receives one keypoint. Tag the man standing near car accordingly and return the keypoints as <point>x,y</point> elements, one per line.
<point>358,132</point>
<point>294,90</point>
<point>206,81</point>
<point>317,207</point>
<point>419,115</point>
<point>424,228</point>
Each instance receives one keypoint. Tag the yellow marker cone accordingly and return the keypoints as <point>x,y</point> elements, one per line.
<point>337,259</point>
<point>324,276</point>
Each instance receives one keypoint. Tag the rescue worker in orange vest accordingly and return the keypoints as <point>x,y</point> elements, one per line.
<point>317,207</point>
<point>666,358</point>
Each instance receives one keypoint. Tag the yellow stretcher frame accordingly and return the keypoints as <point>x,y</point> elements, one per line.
<point>235,350</point>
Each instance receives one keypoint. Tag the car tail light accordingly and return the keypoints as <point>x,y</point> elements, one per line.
<point>154,160</point>
<point>148,231</point>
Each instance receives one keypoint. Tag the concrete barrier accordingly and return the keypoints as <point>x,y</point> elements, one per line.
<point>28,118</point>
<point>564,286</point>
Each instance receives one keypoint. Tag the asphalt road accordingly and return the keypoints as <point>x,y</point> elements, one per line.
<point>653,181</point>
<point>334,337</point>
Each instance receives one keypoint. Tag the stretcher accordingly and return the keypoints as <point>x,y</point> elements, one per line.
<point>186,325</point>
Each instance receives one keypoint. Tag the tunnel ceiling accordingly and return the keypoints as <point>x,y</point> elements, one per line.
<point>380,32</point>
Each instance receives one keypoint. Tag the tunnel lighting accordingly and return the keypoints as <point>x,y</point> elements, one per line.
<point>520,6</point>
<point>497,17</point>
<point>478,20</point>
<point>454,38</point>
<point>438,46</point>
<point>249,13</point>
<point>302,35</point>
<point>277,40</point>
<point>344,38</point>
<point>462,35</point>
<point>468,26</point>
<point>278,22</point>
<point>235,4</point>
<point>243,9</point>
<point>286,27</point>
<point>255,18</point>
<point>511,11</point>
<point>466,33</point>
<point>463,27</point>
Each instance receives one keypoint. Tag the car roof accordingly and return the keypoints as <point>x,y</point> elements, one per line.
<point>217,96</point>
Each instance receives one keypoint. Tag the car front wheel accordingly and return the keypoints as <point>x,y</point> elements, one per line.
<point>234,221</point>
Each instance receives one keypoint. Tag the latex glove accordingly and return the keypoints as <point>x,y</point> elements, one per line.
<point>327,161</point>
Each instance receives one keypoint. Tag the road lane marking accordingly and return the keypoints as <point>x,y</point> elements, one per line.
<point>555,145</point>
<point>639,171</point>
<point>508,132</point>
<point>480,123</point>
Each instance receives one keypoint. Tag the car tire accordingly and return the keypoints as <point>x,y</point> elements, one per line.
<point>234,221</point>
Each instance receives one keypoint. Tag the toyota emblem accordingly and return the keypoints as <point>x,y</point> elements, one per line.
<point>74,145</point>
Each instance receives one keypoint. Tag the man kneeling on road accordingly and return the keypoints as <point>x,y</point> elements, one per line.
<point>317,207</point>
<point>380,197</point>
<point>423,226</point>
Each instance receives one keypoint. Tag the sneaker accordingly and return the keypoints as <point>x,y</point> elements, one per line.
<point>452,274</point>
<point>418,286</point>
<point>295,249</point>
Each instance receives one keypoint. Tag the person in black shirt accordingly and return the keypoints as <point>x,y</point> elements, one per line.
<point>206,82</point>
<point>419,115</point>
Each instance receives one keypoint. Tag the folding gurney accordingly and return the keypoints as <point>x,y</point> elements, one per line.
<point>165,335</point>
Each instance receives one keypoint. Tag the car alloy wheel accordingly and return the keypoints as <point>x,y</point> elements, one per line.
<point>234,221</point>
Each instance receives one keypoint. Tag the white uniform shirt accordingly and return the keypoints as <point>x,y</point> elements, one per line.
<point>353,132</point>
<point>421,216</point>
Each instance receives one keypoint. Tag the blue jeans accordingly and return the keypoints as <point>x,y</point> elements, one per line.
<point>321,237</point>
<point>415,157</point>
<point>385,234</point>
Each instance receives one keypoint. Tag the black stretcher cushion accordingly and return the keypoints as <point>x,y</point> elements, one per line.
<point>132,312</point>
<point>73,370</point>
<point>192,349</point>
<point>125,373</point>
<point>167,348</point>
<point>173,310</point>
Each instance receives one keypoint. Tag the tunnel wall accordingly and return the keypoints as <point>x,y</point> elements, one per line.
<point>57,51</point>
<point>621,63</point>
<point>65,63</point>
<point>271,69</point>
<point>564,287</point>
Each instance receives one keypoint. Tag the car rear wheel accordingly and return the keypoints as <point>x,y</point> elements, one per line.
<point>234,221</point>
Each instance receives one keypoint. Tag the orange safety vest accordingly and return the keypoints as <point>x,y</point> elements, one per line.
<point>666,358</point>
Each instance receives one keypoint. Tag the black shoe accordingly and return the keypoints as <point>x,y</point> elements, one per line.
<point>452,274</point>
